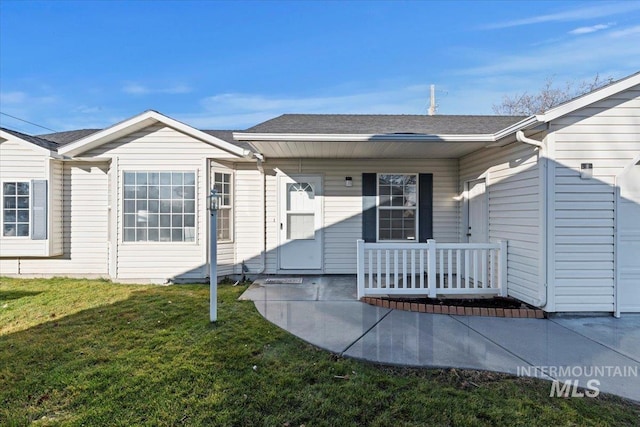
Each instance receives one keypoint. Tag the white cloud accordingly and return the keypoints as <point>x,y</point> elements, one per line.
<point>591,29</point>
<point>22,98</point>
<point>84,109</point>
<point>12,97</point>
<point>599,10</point>
<point>140,89</point>
<point>571,56</point>
<point>241,110</point>
<point>135,89</point>
<point>626,32</point>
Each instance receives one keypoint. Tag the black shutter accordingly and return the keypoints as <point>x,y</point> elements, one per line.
<point>38,209</point>
<point>425,206</point>
<point>369,214</point>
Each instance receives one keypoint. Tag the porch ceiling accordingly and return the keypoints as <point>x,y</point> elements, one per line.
<point>370,147</point>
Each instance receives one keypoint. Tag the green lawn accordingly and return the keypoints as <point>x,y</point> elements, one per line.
<point>83,352</point>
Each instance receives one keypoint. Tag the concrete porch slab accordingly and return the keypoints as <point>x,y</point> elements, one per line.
<point>622,335</point>
<point>419,339</point>
<point>333,326</point>
<point>323,311</point>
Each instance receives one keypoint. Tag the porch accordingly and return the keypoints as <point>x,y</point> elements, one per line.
<point>431,269</point>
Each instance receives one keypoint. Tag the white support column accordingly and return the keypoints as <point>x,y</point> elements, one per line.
<point>431,267</point>
<point>503,268</point>
<point>360,267</point>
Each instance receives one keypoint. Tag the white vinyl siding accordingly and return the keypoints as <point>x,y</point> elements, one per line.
<point>85,225</point>
<point>607,135</point>
<point>56,200</point>
<point>342,205</point>
<point>161,148</point>
<point>22,162</point>
<point>247,207</point>
<point>513,191</point>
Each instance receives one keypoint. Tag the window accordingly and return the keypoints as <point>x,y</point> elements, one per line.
<point>222,183</point>
<point>159,206</point>
<point>397,207</point>
<point>15,209</point>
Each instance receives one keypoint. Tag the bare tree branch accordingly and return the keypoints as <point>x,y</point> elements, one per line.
<point>549,96</point>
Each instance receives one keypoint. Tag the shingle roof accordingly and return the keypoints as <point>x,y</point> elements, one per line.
<point>64,138</point>
<point>384,124</point>
<point>227,135</point>
<point>37,140</point>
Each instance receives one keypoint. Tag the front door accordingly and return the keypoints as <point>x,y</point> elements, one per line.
<point>628,241</point>
<point>477,223</point>
<point>300,223</point>
<point>477,231</point>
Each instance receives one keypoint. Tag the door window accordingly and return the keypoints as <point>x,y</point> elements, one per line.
<point>300,211</point>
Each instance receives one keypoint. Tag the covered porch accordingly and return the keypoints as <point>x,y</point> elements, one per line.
<point>464,221</point>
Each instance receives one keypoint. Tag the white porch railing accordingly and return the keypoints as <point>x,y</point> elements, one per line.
<point>432,269</point>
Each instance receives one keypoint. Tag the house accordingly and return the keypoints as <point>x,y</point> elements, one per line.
<point>541,208</point>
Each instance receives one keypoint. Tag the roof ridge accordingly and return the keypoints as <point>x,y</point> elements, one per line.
<point>34,139</point>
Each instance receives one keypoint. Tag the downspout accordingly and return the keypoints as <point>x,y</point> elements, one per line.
<point>520,137</point>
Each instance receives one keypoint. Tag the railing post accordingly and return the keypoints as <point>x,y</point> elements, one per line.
<point>503,268</point>
<point>360,267</point>
<point>431,267</point>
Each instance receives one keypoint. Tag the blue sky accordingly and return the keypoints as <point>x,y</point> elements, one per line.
<point>230,65</point>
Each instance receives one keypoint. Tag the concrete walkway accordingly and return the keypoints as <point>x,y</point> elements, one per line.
<point>324,312</point>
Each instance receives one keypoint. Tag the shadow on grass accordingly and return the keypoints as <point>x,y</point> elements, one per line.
<point>14,295</point>
<point>155,359</point>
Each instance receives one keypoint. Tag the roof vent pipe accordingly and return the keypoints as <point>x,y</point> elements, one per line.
<point>432,106</point>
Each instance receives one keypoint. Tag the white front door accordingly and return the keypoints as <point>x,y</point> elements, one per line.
<point>300,243</point>
<point>478,224</point>
<point>628,241</point>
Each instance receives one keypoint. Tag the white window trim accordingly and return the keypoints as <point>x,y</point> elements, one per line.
<point>417,239</point>
<point>121,212</point>
<point>2,236</point>
<point>230,208</point>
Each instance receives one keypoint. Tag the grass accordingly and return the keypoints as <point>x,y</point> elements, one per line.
<point>79,352</point>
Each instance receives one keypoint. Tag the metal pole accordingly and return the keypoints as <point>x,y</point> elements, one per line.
<point>213,257</point>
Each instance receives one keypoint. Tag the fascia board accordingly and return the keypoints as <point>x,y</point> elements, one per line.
<point>141,121</point>
<point>332,137</point>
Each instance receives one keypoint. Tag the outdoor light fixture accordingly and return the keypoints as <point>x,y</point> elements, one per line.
<point>214,200</point>
<point>586,170</point>
<point>348,181</point>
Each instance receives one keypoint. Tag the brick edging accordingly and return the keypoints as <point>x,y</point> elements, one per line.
<point>457,310</point>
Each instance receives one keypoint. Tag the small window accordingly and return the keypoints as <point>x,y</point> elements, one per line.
<point>397,207</point>
<point>159,206</point>
<point>15,209</point>
<point>222,183</point>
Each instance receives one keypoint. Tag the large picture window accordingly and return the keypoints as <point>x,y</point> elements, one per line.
<point>159,207</point>
<point>222,183</point>
<point>397,207</point>
<point>15,209</point>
